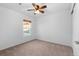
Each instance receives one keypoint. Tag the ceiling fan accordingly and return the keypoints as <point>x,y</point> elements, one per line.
<point>38,8</point>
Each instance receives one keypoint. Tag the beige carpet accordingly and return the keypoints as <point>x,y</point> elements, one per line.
<point>38,48</point>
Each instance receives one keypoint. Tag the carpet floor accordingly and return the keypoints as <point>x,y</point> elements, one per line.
<point>38,48</point>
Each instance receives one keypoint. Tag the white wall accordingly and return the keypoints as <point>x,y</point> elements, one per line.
<point>11,32</point>
<point>76,23</point>
<point>56,28</point>
<point>76,30</point>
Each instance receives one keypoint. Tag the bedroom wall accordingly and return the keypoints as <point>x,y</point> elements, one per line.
<point>76,30</point>
<point>55,27</point>
<point>11,32</point>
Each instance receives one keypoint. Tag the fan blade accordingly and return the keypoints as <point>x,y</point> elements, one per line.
<point>43,7</point>
<point>41,11</point>
<point>30,10</point>
<point>35,6</point>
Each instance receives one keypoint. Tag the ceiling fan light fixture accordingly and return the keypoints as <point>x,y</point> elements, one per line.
<point>38,8</point>
<point>37,12</point>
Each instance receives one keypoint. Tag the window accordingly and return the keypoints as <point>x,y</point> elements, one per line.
<point>27,27</point>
